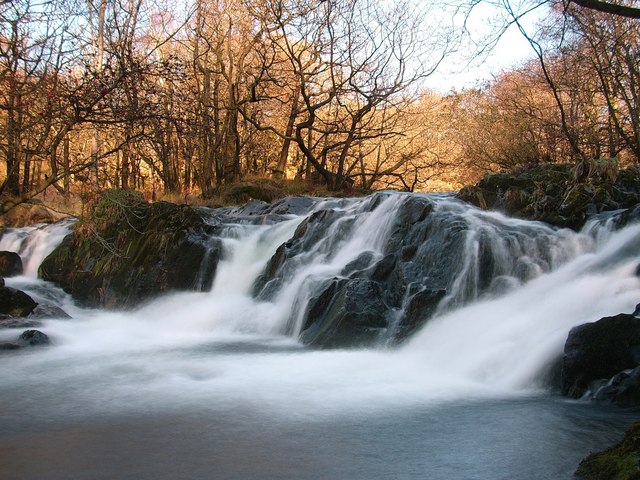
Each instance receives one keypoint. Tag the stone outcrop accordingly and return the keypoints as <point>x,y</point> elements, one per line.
<point>15,303</point>
<point>598,351</point>
<point>127,251</point>
<point>10,264</point>
<point>556,193</point>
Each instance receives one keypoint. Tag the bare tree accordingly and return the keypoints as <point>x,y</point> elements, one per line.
<point>347,60</point>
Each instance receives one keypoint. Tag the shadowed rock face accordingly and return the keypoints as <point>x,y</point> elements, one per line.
<point>599,350</point>
<point>15,303</point>
<point>127,251</point>
<point>10,264</point>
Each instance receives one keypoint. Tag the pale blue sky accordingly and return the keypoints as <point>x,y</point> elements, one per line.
<point>511,50</point>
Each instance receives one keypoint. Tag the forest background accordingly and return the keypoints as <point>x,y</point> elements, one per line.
<point>221,100</point>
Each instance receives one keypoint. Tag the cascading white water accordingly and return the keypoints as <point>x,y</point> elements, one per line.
<point>205,384</point>
<point>34,243</point>
<point>225,345</point>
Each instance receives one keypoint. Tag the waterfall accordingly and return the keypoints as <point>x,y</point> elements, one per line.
<point>34,243</point>
<point>461,313</point>
<point>512,290</point>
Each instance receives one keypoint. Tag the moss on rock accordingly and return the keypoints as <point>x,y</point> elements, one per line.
<point>554,193</point>
<point>619,462</point>
<point>126,251</point>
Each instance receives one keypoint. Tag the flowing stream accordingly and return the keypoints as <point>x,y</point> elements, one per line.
<point>215,385</point>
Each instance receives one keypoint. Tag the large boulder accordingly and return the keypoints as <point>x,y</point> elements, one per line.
<point>416,255</point>
<point>27,213</point>
<point>10,264</point>
<point>599,350</point>
<point>126,251</point>
<point>15,303</point>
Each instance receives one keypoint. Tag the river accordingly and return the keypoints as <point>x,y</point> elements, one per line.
<point>207,385</point>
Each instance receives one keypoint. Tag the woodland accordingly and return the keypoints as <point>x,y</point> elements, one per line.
<point>185,100</point>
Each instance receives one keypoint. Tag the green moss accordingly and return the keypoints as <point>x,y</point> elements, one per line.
<point>124,251</point>
<point>620,462</point>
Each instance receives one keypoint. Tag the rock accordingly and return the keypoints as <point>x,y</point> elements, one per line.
<point>33,338</point>
<point>28,338</point>
<point>345,313</point>
<point>619,462</point>
<point>10,264</point>
<point>412,273</point>
<point>48,311</point>
<point>15,302</point>
<point>11,322</point>
<point>29,213</point>
<point>551,193</point>
<point>292,206</point>
<point>420,307</point>
<point>622,390</point>
<point>599,350</point>
<point>127,251</point>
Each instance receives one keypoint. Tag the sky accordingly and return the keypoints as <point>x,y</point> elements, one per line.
<point>512,50</point>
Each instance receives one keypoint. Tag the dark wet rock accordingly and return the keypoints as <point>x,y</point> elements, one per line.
<point>7,321</point>
<point>345,313</point>
<point>33,338</point>
<point>553,193</point>
<point>622,390</point>
<point>43,311</point>
<point>252,208</point>
<point>382,269</point>
<point>127,251</point>
<point>619,462</point>
<point>311,232</point>
<point>420,307</point>
<point>284,206</point>
<point>28,338</point>
<point>415,272</point>
<point>356,266</point>
<point>293,206</point>
<point>15,302</point>
<point>599,350</point>
<point>10,264</point>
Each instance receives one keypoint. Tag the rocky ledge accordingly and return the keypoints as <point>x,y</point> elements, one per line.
<point>601,363</point>
<point>127,251</point>
<point>601,360</point>
<point>563,195</point>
